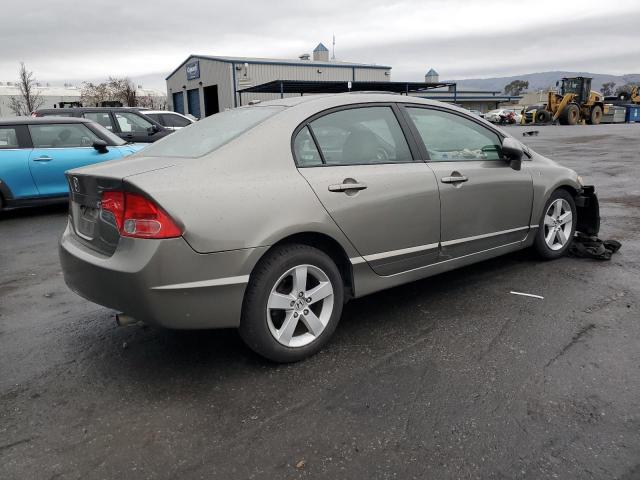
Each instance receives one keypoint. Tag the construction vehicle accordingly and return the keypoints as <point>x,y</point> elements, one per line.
<point>624,97</point>
<point>574,103</point>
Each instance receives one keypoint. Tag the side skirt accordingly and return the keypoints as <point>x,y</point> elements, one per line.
<point>366,281</point>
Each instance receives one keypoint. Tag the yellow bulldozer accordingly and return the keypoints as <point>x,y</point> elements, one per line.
<point>574,103</point>
<point>633,95</point>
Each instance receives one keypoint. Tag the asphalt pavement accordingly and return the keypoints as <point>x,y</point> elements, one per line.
<point>449,377</point>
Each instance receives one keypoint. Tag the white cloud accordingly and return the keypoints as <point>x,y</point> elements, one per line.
<point>67,39</point>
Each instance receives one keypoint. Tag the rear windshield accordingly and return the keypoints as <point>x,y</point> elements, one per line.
<point>210,133</point>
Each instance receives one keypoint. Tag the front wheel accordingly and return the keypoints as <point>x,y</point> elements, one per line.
<point>596,115</point>
<point>292,304</point>
<point>557,226</point>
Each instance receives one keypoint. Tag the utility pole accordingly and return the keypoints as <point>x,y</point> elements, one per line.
<point>333,55</point>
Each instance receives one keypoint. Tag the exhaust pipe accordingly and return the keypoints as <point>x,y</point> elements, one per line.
<point>125,320</point>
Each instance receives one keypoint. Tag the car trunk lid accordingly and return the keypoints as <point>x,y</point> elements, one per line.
<point>95,228</point>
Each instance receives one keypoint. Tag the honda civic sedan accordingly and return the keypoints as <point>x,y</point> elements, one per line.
<point>268,218</point>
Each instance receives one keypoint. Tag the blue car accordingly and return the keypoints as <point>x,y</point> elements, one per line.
<point>35,153</point>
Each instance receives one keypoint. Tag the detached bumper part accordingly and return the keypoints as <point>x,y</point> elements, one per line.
<point>588,210</point>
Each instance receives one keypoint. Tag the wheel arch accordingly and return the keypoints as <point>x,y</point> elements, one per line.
<point>587,207</point>
<point>326,244</point>
<point>5,194</point>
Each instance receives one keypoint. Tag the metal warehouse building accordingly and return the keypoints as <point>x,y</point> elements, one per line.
<point>203,85</point>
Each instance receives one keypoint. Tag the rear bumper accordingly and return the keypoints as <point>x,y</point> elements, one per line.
<point>161,282</point>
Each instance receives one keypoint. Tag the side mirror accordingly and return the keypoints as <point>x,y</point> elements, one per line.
<point>512,151</point>
<point>153,129</point>
<point>100,146</point>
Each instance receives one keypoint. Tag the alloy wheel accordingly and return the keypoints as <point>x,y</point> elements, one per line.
<point>299,306</point>
<point>558,223</point>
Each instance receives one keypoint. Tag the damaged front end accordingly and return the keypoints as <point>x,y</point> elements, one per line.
<point>588,210</point>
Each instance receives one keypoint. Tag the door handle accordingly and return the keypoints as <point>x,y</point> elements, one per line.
<point>43,158</point>
<point>345,187</point>
<point>454,179</point>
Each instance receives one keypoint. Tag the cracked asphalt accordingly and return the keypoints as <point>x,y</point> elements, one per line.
<point>449,377</point>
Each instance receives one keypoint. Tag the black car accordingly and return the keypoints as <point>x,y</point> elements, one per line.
<point>130,124</point>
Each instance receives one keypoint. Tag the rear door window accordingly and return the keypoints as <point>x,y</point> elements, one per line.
<point>132,123</point>
<point>305,150</point>
<point>8,138</point>
<point>170,120</point>
<point>361,136</point>
<point>62,136</point>
<point>102,118</point>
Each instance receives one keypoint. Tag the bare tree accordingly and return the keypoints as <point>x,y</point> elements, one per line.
<point>607,88</point>
<point>94,93</point>
<point>154,103</point>
<point>113,90</point>
<point>124,90</point>
<point>29,99</point>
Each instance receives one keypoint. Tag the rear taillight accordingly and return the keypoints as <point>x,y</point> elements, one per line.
<point>137,216</point>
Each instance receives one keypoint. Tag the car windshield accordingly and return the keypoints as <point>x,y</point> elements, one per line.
<point>212,132</point>
<point>112,138</point>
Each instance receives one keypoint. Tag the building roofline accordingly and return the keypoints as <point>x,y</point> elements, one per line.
<point>459,97</point>
<point>268,61</point>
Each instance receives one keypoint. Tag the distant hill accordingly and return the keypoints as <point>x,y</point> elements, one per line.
<point>543,80</point>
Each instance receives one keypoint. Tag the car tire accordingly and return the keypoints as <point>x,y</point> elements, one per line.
<point>282,320</point>
<point>556,229</point>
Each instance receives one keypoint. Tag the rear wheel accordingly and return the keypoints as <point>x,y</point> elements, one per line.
<point>557,225</point>
<point>596,115</point>
<point>293,303</point>
<point>570,115</point>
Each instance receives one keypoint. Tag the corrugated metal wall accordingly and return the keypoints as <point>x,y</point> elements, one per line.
<point>213,72</point>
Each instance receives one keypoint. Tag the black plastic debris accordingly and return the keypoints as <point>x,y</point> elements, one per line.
<point>586,246</point>
<point>531,133</point>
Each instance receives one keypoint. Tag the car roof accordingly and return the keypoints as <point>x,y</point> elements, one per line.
<point>163,111</point>
<point>317,103</point>
<point>41,120</point>
<point>84,109</point>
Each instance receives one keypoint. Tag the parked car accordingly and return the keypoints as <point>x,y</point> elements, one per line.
<point>130,124</point>
<point>168,119</point>
<point>35,153</point>
<point>268,218</point>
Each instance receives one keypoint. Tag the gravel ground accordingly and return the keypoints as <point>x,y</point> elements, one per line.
<point>449,377</point>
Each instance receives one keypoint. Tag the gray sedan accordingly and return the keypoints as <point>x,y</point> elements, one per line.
<point>268,218</point>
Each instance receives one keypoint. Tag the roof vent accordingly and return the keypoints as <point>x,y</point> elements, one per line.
<point>432,76</point>
<point>321,53</point>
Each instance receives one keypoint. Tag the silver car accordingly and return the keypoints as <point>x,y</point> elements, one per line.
<point>268,218</point>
